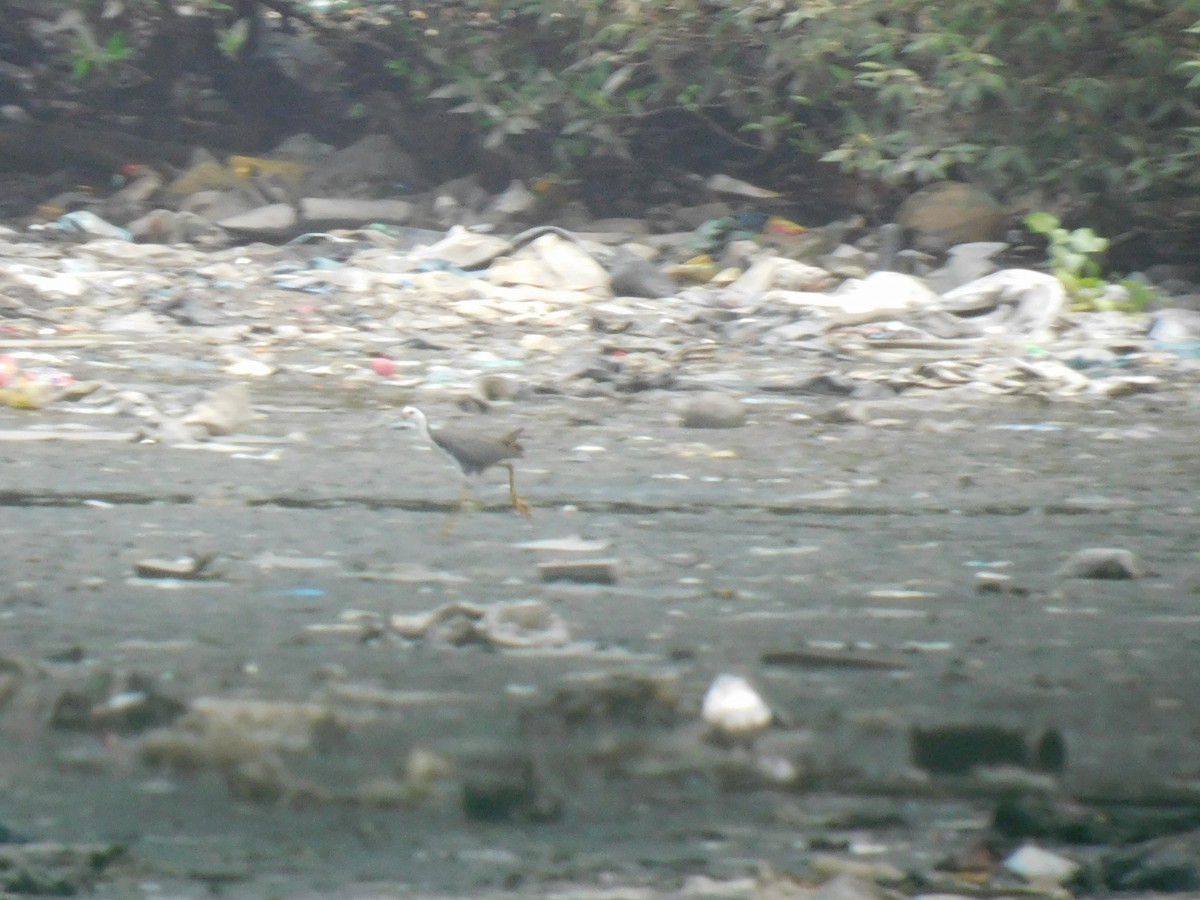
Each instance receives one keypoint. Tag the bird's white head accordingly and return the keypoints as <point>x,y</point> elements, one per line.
<point>411,413</point>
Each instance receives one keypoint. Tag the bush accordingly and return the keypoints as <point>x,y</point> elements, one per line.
<point>1091,102</point>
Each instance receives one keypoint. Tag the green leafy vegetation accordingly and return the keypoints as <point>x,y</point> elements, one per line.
<point>89,55</point>
<point>1087,107</point>
<point>232,40</point>
<point>1074,257</point>
<point>1071,253</point>
<point>1093,102</point>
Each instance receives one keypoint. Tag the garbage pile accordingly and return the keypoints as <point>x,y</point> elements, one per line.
<point>231,271</point>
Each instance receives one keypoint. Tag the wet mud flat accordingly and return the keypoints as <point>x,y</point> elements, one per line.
<point>834,564</point>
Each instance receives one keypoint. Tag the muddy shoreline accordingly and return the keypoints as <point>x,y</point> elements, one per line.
<point>834,563</point>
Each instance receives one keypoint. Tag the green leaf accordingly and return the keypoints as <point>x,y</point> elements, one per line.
<point>1041,222</point>
<point>1087,241</point>
<point>232,41</point>
<point>1069,260</point>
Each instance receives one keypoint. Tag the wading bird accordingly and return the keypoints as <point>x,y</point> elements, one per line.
<point>473,452</point>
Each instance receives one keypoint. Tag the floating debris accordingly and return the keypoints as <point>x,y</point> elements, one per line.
<point>197,567</point>
<point>584,571</point>
<point>733,709</point>
<point>1104,563</point>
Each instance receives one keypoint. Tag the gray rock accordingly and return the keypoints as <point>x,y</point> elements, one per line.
<point>692,217</point>
<point>1163,273</point>
<point>273,187</point>
<point>890,243</point>
<point>949,212</point>
<point>464,193</point>
<point>633,276</point>
<point>373,160</point>
<point>1174,325</point>
<point>333,212</point>
<point>159,226</point>
<point>164,226</point>
<point>1186,299</point>
<point>965,263</point>
<point>713,410</point>
<point>274,220</point>
<point>217,205</point>
<point>1164,864</point>
<point>619,226</point>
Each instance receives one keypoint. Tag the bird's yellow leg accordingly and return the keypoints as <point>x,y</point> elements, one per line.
<point>448,525</point>
<point>464,500</point>
<point>518,504</point>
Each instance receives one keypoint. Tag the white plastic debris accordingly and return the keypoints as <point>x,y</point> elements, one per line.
<point>773,273</point>
<point>1026,302</point>
<point>84,221</point>
<point>733,708</point>
<point>553,263</point>
<point>881,295</point>
<point>713,409</point>
<point>1103,563</point>
<point>223,412</point>
<point>1036,865</point>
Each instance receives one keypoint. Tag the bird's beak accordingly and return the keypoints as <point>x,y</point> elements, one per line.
<point>385,420</point>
